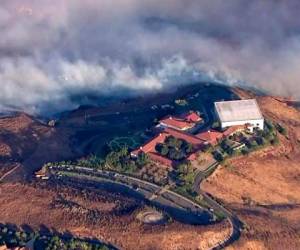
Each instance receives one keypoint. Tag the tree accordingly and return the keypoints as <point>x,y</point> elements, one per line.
<point>218,156</point>
<point>259,132</point>
<point>173,142</point>
<point>230,151</point>
<point>260,140</point>
<point>187,147</point>
<point>142,159</point>
<point>118,159</point>
<point>129,166</point>
<point>162,149</point>
<point>182,168</point>
<point>225,144</point>
<point>176,154</point>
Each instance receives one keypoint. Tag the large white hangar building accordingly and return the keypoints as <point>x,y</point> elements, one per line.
<point>239,112</point>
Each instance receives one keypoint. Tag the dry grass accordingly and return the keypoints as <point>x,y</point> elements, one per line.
<point>31,143</point>
<point>263,188</point>
<point>23,204</point>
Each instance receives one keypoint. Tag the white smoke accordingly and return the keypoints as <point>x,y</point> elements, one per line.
<point>52,50</point>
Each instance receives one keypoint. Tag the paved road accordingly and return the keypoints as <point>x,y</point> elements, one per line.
<point>166,197</point>
<point>236,224</point>
<point>201,175</point>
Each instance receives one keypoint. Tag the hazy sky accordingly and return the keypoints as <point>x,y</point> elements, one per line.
<point>52,50</point>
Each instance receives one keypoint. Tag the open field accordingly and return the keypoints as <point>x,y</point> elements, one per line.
<point>263,188</point>
<point>26,142</point>
<point>100,215</point>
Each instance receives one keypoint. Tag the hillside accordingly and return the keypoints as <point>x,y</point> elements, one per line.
<point>26,143</point>
<point>263,188</point>
<point>106,216</point>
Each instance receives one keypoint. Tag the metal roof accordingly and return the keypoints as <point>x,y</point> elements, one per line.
<point>238,110</point>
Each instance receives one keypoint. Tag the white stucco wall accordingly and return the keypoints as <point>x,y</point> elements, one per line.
<point>255,123</point>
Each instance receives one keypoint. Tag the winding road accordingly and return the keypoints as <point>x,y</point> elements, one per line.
<point>177,205</point>
<point>236,224</point>
<point>154,193</point>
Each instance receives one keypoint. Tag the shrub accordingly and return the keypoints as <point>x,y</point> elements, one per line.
<point>225,145</point>
<point>281,129</point>
<point>253,144</point>
<point>269,125</point>
<point>207,147</point>
<point>245,151</point>
<point>215,125</point>
<point>259,132</point>
<point>229,151</point>
<point>274,141</point>
<point>181,102</point>
<point>218,156</point>
<point>260,140</point>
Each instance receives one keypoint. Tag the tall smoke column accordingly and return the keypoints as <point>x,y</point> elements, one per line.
<point>53,50</point>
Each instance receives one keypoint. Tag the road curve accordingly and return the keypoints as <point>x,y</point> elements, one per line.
<point>176,204</point>
<point>236,224</point>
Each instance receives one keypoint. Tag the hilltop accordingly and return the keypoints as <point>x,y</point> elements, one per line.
<point>261,188</point>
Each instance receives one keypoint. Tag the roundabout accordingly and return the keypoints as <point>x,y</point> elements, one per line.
<point>152,217</point>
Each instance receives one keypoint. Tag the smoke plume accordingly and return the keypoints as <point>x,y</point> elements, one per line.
<point>53,50</point>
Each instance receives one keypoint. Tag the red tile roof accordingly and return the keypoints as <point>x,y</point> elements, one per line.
<point>192,157</point>
<point>210,136</point>
<point>192,117</point>
<point>184,136</point>
<point>161,159</point>
<point>150,145</point>
<point>233,129</point>
<point>176,123</point>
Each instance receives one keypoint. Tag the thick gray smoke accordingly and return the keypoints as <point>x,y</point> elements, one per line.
<point>53,50</point>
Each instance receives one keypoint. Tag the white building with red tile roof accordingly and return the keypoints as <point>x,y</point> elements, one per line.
<point>183,123</point>
<point>149,148</point>
<point>175,123</point>
<point>211,136</point>
<point>192,117</point>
